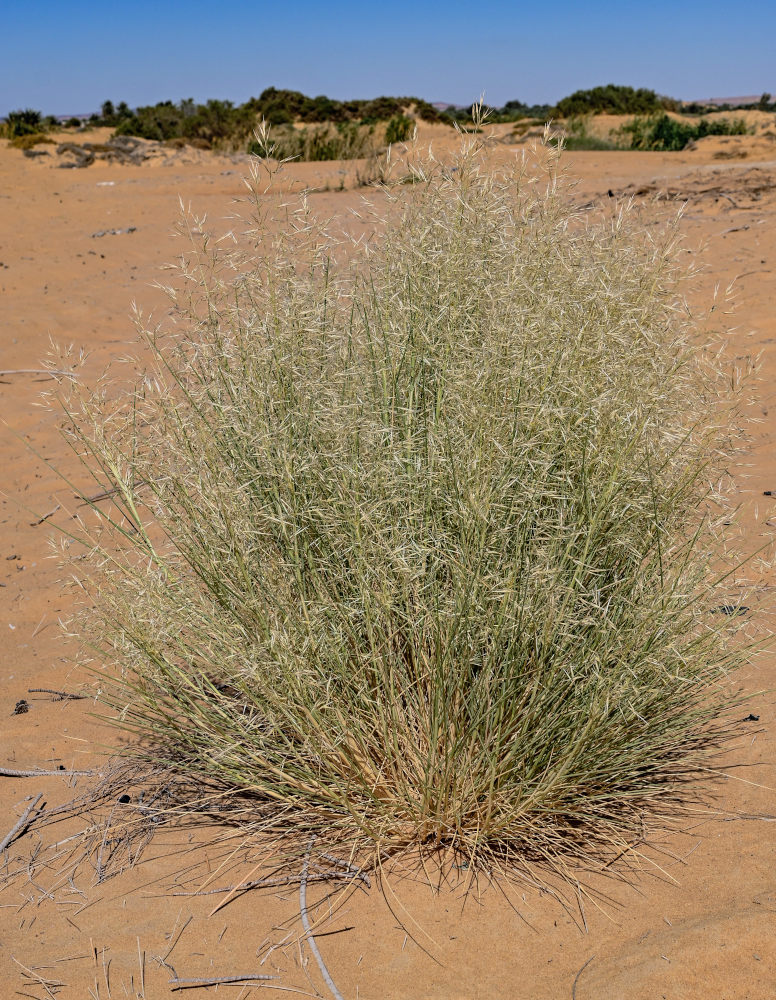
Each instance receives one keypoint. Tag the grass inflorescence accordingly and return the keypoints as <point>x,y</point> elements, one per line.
<point>416,536</point>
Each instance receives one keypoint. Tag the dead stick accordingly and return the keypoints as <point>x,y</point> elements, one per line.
<point>18,827</point>
<point>38,371</point>
<point>34,524</point>
<point>188,984</point>
<point>61,695</point>
<point>7,772</point>
<point>351,869</point>
<point>576,978</point>
<point>176,940</point>
<point>106,494</point>
<point>306,923</point>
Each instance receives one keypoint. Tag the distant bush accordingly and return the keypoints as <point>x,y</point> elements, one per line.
<point>282,107</point>
<point>425,111</point>
<point>380,109</point>
<point>697,108</point>
<point>157,121</point>
<point>222,124</point>
<point>23,122</point>
<point>661,132</point>
<point>329,141</point>
<point>398,129</point>
<point>512,111</point>
<point>611,99</point>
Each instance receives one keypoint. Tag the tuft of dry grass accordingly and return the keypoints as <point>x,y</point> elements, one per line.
<point>419,537</point>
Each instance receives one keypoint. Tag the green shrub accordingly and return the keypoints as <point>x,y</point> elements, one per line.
<point>512,111</point>
<point>156,122</point>
<point>611,99</point>
<point>416,542</point>
<point>24,122</point>
<point>425,111</point>
<point>381,109</point>
<point>399,129</point>
<point>664,133</point>
<point>334,127</point>
<point>341,141</point>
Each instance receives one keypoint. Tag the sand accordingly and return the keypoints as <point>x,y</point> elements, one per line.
<point>700,925</point>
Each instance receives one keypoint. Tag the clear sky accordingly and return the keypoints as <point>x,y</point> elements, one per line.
<point>68,56</point>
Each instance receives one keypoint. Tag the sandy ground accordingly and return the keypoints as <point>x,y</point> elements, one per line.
<point>697,921</point>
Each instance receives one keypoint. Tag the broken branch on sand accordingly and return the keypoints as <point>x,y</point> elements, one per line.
<point>51,372</point>
<point>576,978</point>
<point>20,825</point>
<point>59,695</point>
<point>34,524</point>
<point>733,229</point>
<point>188,984</point>
<point>107,494</point>
<point>8,772</point>
<point>306,923</point>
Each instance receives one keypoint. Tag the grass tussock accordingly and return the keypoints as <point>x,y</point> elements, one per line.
<point>416,537</point>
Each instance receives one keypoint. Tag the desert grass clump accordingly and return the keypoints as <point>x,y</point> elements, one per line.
<point>416,534</point>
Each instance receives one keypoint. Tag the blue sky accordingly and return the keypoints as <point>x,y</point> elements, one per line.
<point>68,57</point>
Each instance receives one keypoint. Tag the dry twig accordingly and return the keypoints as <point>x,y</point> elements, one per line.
<point>45,517</point>
<point>60,695</point>
<point>576,978</point>
<point>188,984</point>
<point>306,924</point>
<point>8,772</point>
<point>107,494</point>
<point>51,372</point>
<point>20,825</point>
